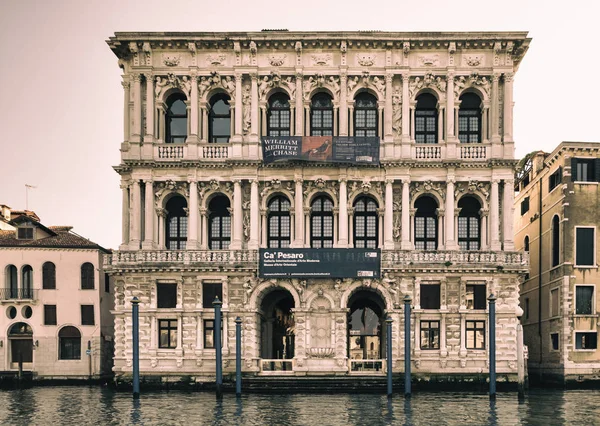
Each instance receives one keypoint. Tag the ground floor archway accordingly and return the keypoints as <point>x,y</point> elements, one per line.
<point>20,337</point>
<point>366,318</point>
<point>277,340</point>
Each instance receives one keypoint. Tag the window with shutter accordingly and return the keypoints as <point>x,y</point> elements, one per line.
<point>585,247</point>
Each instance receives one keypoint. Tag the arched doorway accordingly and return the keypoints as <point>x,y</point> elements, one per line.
<point>277,328</point>
<point>365,331</point>
<point>20,337</point>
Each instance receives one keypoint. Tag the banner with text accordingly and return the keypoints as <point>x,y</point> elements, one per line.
<point>334,149</point>
<point>319,263</point>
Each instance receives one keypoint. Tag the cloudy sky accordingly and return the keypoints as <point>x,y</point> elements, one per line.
<point>62,101</point>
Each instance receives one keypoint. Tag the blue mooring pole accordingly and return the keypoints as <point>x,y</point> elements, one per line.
<point>218,349</point>
<point>238,357</point>
<point>388,322</point>
<point>407,378</point>
<point>136,346</point>
<point>492,307</point>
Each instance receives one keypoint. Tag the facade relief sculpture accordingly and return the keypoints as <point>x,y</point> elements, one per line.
<point>214,80</point>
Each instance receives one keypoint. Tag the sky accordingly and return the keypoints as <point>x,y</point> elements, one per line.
<point>61,109</point>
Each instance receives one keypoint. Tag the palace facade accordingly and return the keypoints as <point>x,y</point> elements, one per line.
<point>199,201</point>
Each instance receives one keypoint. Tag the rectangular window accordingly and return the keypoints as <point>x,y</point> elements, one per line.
<point>554,340</point>
<point>554,302</point>
<point>524,206</point>
<point>166,295</point>
<point>586,340</point>
<point>49,314</point>
<point>584,169</point>
<point>25,233</point>
<point>430,296</point>
<point>584,299</point>
<point>167,334</point>
<point>209,334</point>
<point>527,308</point>
<point>475,334</point>
<point>209,292</point>
<point>475,297</point>
<point>106,283</point>
<point>555,179</point>
<point>87,315</point>
<point>585,247</point>
<point>430,334</point>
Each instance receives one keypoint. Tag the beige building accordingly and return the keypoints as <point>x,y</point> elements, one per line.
<point>56,302</point>
<point>559,230</point>
<point>199,200</point>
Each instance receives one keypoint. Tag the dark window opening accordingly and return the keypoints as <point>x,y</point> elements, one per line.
<point>69,343</point>
<point>278,115</point>
<point>554,340</point>
<point>219,222</point>
<point>87,276</point>
<point>167,334</point>
<point>166,295</point>
<point>49,276</point>
<point>524,206</point>
<point>469,118</point>
<point>585,169</point>
<point>585,246</point>
<point>209,334</point>
<point>586,340</point>
<point>176,119</point>
<point>526,243</point>
<point>279,226</point>
<point>366,223</point>
<point>49,314</point>
<point>209,292</point>
<point>426,232</point>
<point>219,120</point>
<point>321,220</point>
<point>475,334</point>
<point>27,282</point>
<point>476,296</point>
<point>584,300</point>
<point>430,334</point>
<point>430,296</point>
<point>106,283</point>
<point>25,233</point>
<point>555,241</point>
<point>321,115</point>
<point>87,315</point>
<point>177,223</point>
<point>469,235</point>
<point>365,115</point>
<point>426,119</point>
<point>555,179</point>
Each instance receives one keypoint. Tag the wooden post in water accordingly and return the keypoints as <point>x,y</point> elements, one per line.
<point>136,347</point>
<point>492,318</point>
<point>218,349</point>
<point>238,357</point>
<point>388,322</point>
<point>407,378</point>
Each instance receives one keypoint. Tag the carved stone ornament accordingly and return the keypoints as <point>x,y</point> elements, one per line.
<point>273,186</point>
<point>473,60</point>
<point>167,186</point>
<point>366,59</point>
<point>376,83</point>
<point>321,59</point>
<point>277,60</point>
<point>171,60</point>
<point>319,80</point>
<point>432,60</point>
<point>216,59</point>
<point>214,185</point>
<point>427,186</point>
<point>471,187</point>
<point>474,80</point>
<point>321,184</point>
<point>214,80</point>
<point>246,109</point>
<point>429,80</point>
<point>267,82</point>
<point>397,112</point>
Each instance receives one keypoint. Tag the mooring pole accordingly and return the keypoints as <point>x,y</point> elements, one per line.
<point>388,322</point>
<point>238,356</point>
<point>492,308</point>
<point>218,349</point>
<point>136,346</point>
<point>407,378</point>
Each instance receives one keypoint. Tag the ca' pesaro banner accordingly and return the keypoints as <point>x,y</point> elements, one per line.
<point>333,149</point>
<point>319,263</point>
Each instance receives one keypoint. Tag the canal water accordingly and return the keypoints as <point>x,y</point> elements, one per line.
<point>59,406</point>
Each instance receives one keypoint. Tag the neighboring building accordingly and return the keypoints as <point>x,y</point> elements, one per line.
<point>199,200</point>
<point>56,300</point>
<point>560,321</point>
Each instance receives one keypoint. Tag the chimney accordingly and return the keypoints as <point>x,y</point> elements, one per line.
<point>537,162</point>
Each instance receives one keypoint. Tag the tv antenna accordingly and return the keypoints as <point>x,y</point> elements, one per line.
<point>27,188</point>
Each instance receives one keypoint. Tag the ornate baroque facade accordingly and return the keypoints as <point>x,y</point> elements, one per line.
<point>198,202</point>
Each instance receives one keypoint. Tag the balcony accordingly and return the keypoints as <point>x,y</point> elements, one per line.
<point>468,259</point>
<point>202,151</point>
<point>17,295</point>
<point>185,257</point>
<point>474,151</point>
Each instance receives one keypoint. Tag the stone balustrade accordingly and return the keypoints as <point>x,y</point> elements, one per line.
<point>474,151</point>
<point>503,259</point>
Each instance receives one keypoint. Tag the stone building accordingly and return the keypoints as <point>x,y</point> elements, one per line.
<point>559,230</point>
<point>56,301</point>
<point>199,201</point>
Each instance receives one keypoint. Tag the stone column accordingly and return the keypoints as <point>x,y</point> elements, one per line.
<point>494,109</point>
<point>351,114</point>
<point>388,132</point>
<point>441,243</point>
<point>507,122</point>
<point>351,227</point>
<point>149,132</point>
<point>307,121</point>
<point>135,216</point>
<point>193,136</point>
<point>148,243</point>
<point>388,231</point>
<point>160,232</point>
<point>507,210</point>
<point>343,104</point>
<point>380,121</point>
<point>450,237</point>
<point>126,97</point>
<point>263,114</point>
<point>483,214</point>
<point>299,106</point>
<point>238,105</point>
<point>307,241</point>
<point>405,109</point>
<point>238,230</point>
<point>254,215</point>
<point>263,217</point>
<point>494,217</point>
<point>292,120</point>
<point>343,214</point>
<point>125,213</point>
<point>137,108</point>
<point>299,217</point>
<point>204,228</point>
<point>254,105</point>
<point>412,121</point>
<point>450,125</point>
<point>204,137</point>
<point>192,237</point>
<point>406,241</point>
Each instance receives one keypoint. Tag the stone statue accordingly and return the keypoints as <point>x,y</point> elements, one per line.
<point>229,85</point>
<point>289,81</point>
<point>248,286</point>
<point>203,86</point>
<point>334,82</point>
<point>352,82</point>
<point>186,85</point>
<point>379,85</point>
<point>441,84</point>
<point>160,84</point>
<point>459,85</point>
<point>264,86</point>
<point>246,109</point>
<point>397,113</point>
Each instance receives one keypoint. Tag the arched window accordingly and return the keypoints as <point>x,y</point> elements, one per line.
<point>49,276</point>
<point>555,240</point>
<point>87,276</point>
<point>321,222</point>
<point>278,116</point>
<point>176,119</point>
<point>426,232</point>
<point>469,118</point>
<point>278,235</point>
<point>69,346</point>
<point>12,282</point>
<point>219,223</point>
<point>177,223</point>
<point>526,243</point>
<point>20,337</point>
<point>426,119</point>
<point>27,282</point>
<point>469,235</point>
<point>365,115</point>
<point>321,115</point>
<point>365,223</point>
<point>219,121</point>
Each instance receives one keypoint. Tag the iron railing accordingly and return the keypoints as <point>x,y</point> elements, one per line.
<point>18,294</point>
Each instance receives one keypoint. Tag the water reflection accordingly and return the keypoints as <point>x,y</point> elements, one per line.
<point>96,406</point>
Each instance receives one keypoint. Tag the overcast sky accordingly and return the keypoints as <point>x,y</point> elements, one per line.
<point>61,113</point>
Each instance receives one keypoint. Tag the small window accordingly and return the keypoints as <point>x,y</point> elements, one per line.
<point>87,276</point>
<point>554,340</point>
<point>176,119</point>
<point>219,119</point>
<point>554,299</point>
<point>167,334</point>
<point>555,179</point>
<point>527,308</point>
<point>430,296</point>
<point>69,343</point>
<point>166,295</point>
<point>524,206</point>
<point>25,233</point>
<point>476,296</point>
<point>209,334</point>
<point>475,331</point>
<point>586,340</point>
<point>584,300</point>
<point>49,314</point>
<point>585,169</point>
<point>49,276</point>
<point>526,243</point>
<point>11,312</point>
<point>106,283</point>
<point>555,241</point>
<point>426,119</point>
<point>87,315</point>
<point>219,223</point>
<point>27,312</point>
<point>585,246</point>
<point>209,292</point>
<point>430,334</point>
